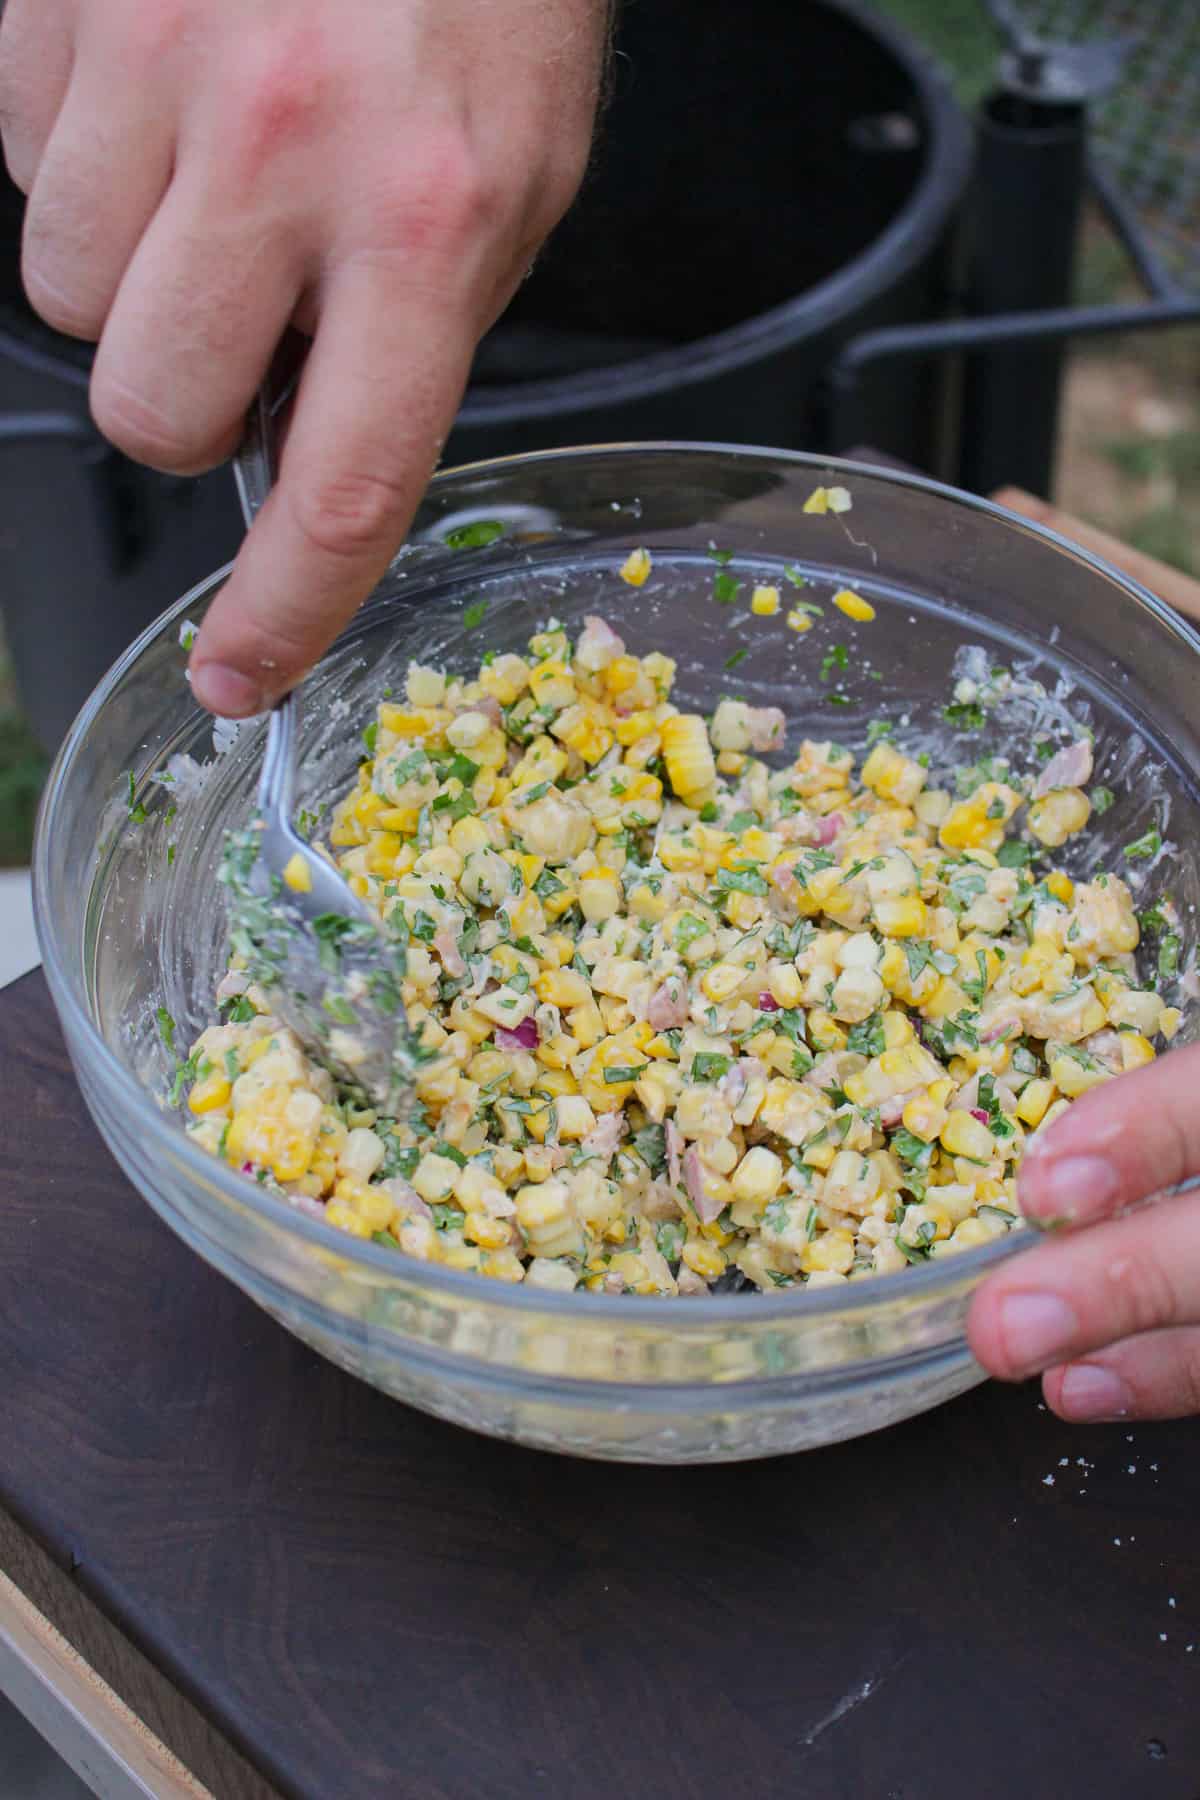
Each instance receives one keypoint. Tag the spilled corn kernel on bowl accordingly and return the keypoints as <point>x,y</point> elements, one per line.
<point>772,846</point>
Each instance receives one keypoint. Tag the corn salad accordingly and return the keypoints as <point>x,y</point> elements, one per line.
<point>695,1020</point>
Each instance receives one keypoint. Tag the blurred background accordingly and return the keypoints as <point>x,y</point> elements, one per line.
<point>779,223</point>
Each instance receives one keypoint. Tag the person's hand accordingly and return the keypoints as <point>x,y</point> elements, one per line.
<point>1109,1306</point>
<point>201,173</point>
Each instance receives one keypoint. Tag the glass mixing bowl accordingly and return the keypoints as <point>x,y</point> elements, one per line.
<point>130,919</point>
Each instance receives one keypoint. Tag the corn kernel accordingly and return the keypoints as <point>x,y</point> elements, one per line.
<point>831,1250</point>
<point>703,1259</point>
<point>764,601</point>
<point>798,620</point>
<point>636,567</point>
<point>853,605</point>
<point>1058,815</point>
<point>1035,1097</point>
<point>965,1135</point>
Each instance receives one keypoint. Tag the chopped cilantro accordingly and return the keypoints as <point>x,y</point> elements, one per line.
<point>725,588</point>
<point>670,1238</point>
<point>731,662</point>
<point>370,735</point>
<point>614,1076</point>
<point>880,728</point>
<point>474,614</point>
<point>1101,799</point>
<point>166,1026</point>
<point>836,658</point>
<point>866,1038</point>
<point>741,881</point>
<point>1149,844</point>
<point>710,1065</point>
<point>1168,957</point>
<point>651,1145</point>
<point>964,715</point>
<point>475,536</point>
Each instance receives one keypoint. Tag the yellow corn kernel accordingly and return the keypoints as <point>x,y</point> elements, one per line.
<point>798,621</point>
<point>902,916</point>
<point>297,875</point>
<point>1034,1099</point>
<point>824,1031</point>
<point>580,730</point>
<point>1135,1050</point>
<point>1072,1079</point>
<point>489,1233</point>
<point>818,501</point>
<point>552,684</point>
<point>758,1176</point>
<point>731,762</point>
<point>647,905</point>
<point>964,1135</point>
<point>703,1259</point>
<point>542,1205</point>
<point>1061,886</point>
<point>742,910</point>
<point>373,1205</point>
<point>688,756</point>
<point>967,827</point>
<point>905,1064</point>
<point>636,567</point>
<point>587,1024</point>
<point>504,678</point>
<point>923,1117</point>
<point>562,987</point>
<point>785,985</point>
<point>722,981</point>
<point>832,1250</point>
<point>764,601</point>
<point>346,1219</point>
<point>1169,1021</point>
<point>212,1091</point>
<point>1058,815</point>
<point>897,1029</point>
<point>853,605</point>
<point>599,895</point>
<point>469,834</point>
<point>970,1234</point>
<point>423,724</point>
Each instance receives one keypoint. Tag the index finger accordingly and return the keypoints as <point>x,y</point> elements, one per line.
<point>1117,1144</point>
<point>377,398</point>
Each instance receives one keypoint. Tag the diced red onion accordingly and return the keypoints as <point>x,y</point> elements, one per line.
<point>767,1003</point>
<point>977,1112</point>
<point>524,1036</point>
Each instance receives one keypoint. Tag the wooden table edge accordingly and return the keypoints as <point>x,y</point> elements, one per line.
<point>118,1721</point>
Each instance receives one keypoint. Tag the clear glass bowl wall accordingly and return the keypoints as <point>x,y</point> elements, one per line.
<point>124,930</point>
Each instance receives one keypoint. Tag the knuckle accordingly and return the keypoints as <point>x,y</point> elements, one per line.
<point>280,94</point>
<point>348,514</point>
<point>442,203</point>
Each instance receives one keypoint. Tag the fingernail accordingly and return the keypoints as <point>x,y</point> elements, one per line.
<point>1089,1392</point>
<point>1036,1329</point>
<point>1072,1188</point>
<point>226,691</point>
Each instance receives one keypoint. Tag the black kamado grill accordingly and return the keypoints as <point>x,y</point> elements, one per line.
<point>770,181</point>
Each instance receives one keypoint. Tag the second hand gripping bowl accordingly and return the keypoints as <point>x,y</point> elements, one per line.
<point>969,636</point>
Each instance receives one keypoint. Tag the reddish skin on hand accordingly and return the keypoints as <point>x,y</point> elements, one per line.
<point>379,173</point>
<point>1107,1309</point>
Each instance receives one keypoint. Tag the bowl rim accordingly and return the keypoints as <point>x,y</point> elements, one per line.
<point>783,1306</point>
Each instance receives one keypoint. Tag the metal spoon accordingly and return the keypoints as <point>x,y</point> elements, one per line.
<point>332,973</point>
